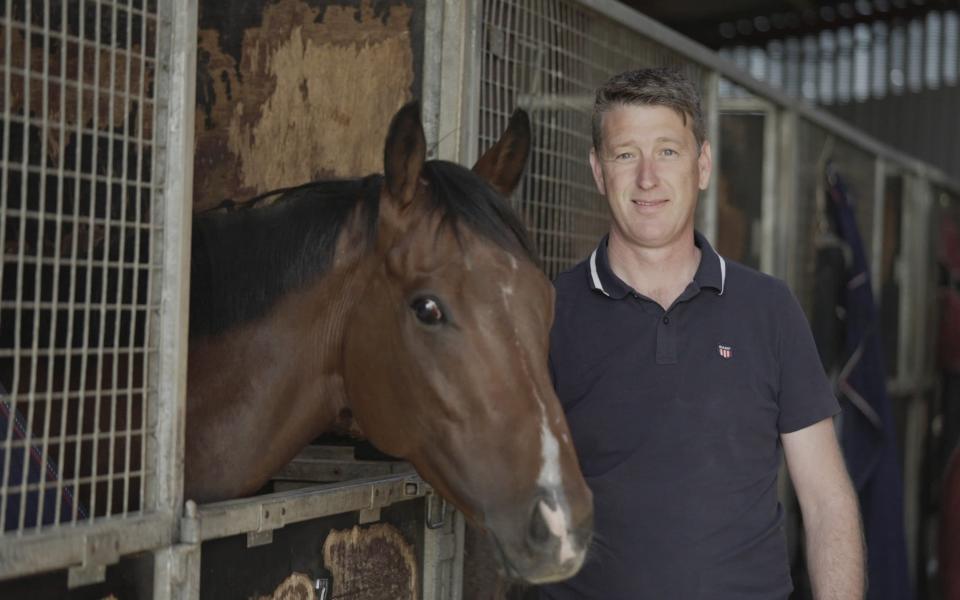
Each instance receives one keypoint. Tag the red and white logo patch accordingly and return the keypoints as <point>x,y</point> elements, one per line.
<point>725,351</point>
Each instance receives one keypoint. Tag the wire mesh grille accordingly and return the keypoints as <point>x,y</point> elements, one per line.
<point>79,237</point>
<point>548,57</point>
<point>857,168</point>
<point>739,181</point>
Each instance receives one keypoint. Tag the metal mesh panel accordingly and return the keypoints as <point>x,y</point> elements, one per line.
<point>857,168</point>
<point>548,57</point>
<point>739,177</point>
<point>79,237</point>
<point>809,220</point>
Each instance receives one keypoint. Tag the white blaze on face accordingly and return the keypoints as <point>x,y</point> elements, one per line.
<point>549,479</point>
<point>550,451</point>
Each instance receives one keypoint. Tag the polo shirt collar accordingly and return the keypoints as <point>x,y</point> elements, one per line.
<point>712,271</point>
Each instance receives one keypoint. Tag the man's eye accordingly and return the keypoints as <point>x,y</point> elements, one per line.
<point>624,156</point>
<point>669,152</point>
<point>427,311</point>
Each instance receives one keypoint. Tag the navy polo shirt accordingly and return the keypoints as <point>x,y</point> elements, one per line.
<point>676,416</point>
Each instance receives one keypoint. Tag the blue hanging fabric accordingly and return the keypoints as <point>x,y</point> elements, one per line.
<point>868,435</point>
<point>38,468</point>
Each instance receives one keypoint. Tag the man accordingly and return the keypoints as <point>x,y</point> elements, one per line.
<point>682,376</point>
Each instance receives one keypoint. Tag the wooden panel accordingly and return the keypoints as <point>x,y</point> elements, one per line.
<point>370,563</point>
<point>351,561</point>
<point>296,90</point>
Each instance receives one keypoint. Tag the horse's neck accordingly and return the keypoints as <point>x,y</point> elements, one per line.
<point>260,392</point>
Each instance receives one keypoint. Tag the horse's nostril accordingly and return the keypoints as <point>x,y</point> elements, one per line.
<point>540,533</point>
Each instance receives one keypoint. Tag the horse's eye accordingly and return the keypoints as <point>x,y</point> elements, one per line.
<point>428,311</point>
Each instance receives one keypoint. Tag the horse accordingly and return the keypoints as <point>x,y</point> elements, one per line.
<point>407,308</point>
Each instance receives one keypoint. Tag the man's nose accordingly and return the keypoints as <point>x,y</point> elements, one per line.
<point>646,174</point>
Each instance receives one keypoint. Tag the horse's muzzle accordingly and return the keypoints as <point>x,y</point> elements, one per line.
<point>552,547</point>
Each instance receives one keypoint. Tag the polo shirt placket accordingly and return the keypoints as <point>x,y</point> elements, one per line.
<point>711,273</point>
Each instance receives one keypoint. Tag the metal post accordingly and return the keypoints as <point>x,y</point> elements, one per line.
<point>443,557</point>
<point>432,68</point>
<point>875,248</point>
<point>178,22</point>
<point>787,212</point>
<point>459,83</point>
<point>771,146</point>
<point>176,572</point>
<point>708,208</point>
<point>177,567</point>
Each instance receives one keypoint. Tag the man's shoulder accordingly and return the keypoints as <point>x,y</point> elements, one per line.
<point>742,279</point>
<point>765,301</point>
<point>572,281</point>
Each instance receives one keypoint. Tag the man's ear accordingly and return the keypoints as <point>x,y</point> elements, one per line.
<point>503,163</point>
<point>704,165</point>
<point>404,154</point>
<point>597,171</point>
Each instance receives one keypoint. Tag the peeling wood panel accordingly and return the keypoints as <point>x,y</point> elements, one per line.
<point>295,90</point>
<point>371,563</point>
<point>295,587</point>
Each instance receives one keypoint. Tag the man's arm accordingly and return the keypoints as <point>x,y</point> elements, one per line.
<point>831,517</point>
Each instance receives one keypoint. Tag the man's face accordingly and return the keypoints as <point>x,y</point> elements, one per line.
<point>649,169</point>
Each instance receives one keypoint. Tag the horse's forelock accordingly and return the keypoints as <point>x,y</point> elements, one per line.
<point>467,200</point>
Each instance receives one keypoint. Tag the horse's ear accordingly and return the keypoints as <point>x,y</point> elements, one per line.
<point>502,165</point>
<point>404,153</point>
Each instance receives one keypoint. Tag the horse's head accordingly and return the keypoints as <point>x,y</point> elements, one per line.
<point>446,352</point>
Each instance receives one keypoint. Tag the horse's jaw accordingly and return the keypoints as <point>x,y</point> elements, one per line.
<point>222,409</point>
<point>541,539</point>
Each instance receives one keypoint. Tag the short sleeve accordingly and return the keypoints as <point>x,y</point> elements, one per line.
<point>805,395</point>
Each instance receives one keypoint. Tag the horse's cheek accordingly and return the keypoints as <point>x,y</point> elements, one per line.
<point>371,370</point>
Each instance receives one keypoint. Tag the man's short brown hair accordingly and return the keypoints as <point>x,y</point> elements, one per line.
<point>664,86</point>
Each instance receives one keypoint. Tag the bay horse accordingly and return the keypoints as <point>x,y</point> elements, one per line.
<point>408,308</point>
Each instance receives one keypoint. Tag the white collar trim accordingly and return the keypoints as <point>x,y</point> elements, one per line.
<point>594,276</point>
<point>723,274</point>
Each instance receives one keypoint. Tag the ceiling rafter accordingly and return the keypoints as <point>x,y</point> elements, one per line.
<point>755,22</point>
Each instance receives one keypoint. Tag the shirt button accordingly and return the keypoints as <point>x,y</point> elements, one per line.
<point>666,319</point>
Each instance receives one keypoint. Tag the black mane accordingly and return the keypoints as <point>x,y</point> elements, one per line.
<point>244,260</point>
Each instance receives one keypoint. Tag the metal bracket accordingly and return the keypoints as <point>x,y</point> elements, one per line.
<point>259,538</point>
<point>368,515</point>
<point>436,511</point>
<point>81,576</point>
<point>272,516</point>
<point>99,551</point>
